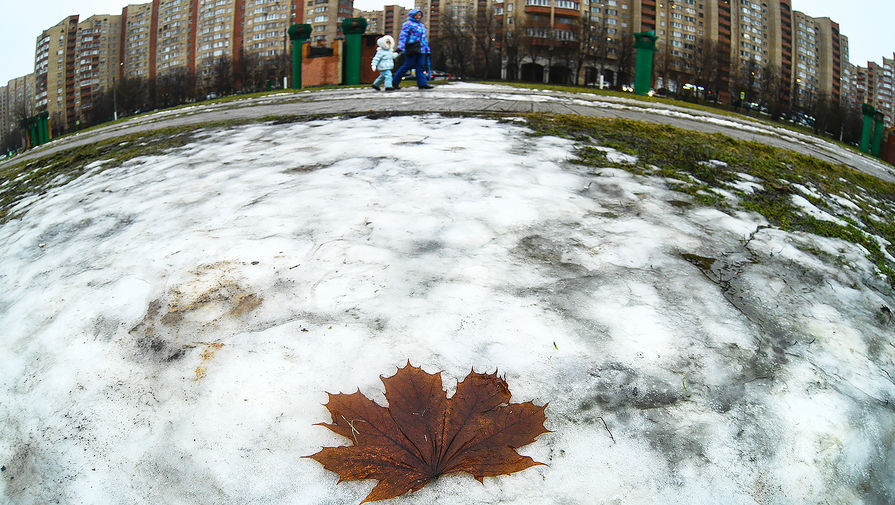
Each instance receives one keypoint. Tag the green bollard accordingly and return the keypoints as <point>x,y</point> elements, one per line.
<point>645,43</point>
<point>878,129</point>
<point>867,130</point>
<point>353,28</point>
<point>298,34</point>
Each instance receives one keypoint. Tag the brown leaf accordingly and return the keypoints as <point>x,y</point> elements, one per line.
<point>423,434</point>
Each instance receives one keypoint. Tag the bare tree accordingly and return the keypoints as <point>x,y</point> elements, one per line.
<point>454,42</point>
<point>132,95</point>
<point>222,81</point>
<point>707,69</point>
<point>512,45</point>
<point>535,40</point>
<point>174,88</point>
<point>771,90</point>
<point>486,38</point>
<point>623,49</point>
<point>586,48</point>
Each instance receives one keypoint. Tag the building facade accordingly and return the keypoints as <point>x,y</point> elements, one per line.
<point>137,39</point>
<point>741,43</point>
<point>16,103</point>
<point>54,71</point>
<point>97,60</point>
<point>325,18</point>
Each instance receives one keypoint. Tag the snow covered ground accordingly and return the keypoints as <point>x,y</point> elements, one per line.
<point>170,327</point>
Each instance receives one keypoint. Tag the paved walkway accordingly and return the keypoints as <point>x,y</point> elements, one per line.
<point>475,98</point>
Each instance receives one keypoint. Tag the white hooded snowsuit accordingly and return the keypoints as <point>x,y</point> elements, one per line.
<point>384,61</point>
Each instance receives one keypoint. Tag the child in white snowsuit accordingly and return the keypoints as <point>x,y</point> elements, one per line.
<point>384,62</point>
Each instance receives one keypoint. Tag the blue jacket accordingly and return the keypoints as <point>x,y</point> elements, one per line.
<point>413,31</point>
<point>384,59</point>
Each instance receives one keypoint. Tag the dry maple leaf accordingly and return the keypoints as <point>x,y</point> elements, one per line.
<point>423,434</point>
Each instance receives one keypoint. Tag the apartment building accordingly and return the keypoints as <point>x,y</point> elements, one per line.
<point>16,102</point>
<point>388,21</point>
<point>681,29</point>
<point>97,62</point>
<point>462,14</point>
<point>830,57</point>
<point>849,85</point>
<point>217,32</point>
<point>54,71</point>
<point>6,115</point>
<point>137,40</point>
<point>266,23</point>
<point>881,88</point>
<point>173,36</point>
<point>325,18</point>
<point>375,20</point>
<point>820,55</point>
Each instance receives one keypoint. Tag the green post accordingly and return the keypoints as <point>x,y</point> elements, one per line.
<point>298,34</point>
<point>867,130</point>
<point>645,43</point>
<point>878,129</point>
<point>353,28</point>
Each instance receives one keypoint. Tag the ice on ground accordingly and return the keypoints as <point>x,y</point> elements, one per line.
<point>171,326</point>
<point>812,210</point>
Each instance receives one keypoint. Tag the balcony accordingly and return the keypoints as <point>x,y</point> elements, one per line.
<point>567,12</point>
<point>536,9</point>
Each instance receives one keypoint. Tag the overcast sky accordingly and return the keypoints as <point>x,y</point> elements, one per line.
<point>22,21</point>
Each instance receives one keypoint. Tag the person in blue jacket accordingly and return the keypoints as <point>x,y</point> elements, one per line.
<point>415,46</point>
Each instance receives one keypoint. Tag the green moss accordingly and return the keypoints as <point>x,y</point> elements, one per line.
<point>689,160</point>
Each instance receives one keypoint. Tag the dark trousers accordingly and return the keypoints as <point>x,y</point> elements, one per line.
<point>417,61</point>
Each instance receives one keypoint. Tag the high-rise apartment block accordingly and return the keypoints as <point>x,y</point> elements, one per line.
<point>97,58</point>
<point>880,87</point>
<point>16,102</point>
<point>183,39</point>
<point>325,18</point>
<point>54,70</point>
<point>375,20</point>
<point>266,22</point>
<point>137,41</point>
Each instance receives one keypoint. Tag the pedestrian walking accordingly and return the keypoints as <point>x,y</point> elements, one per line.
<point>384,62</point>
<point>414,44</point>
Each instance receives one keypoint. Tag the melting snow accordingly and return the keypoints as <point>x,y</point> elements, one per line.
<point>170,326</point>
<point>812,210</point>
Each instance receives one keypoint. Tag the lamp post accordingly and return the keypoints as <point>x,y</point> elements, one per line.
<point>115,93</point>
<point>604,42</point>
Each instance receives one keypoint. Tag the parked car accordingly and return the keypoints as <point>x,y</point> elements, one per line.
<point>440,74</point>
<point>434,75</point>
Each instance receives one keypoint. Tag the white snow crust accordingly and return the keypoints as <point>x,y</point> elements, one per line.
<point>170,326</point>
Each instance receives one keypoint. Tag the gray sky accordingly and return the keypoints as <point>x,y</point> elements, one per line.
<point>22,21</point>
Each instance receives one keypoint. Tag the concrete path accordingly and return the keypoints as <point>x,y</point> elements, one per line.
<point>475,98</point>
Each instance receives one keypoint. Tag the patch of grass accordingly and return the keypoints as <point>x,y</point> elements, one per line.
<point>721,109</point>
<point>698,163</point>
<point>39,176</point>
